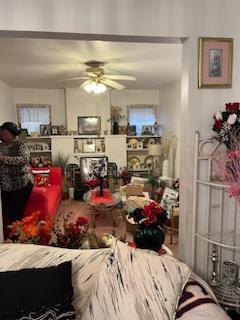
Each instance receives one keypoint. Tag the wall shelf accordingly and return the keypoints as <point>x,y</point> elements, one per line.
<point>40,151</point>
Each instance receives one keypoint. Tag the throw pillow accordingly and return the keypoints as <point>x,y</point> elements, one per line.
<point>41,180</point>
<point>44,293</point>
<point>41,176</point>
<point>139,285</point>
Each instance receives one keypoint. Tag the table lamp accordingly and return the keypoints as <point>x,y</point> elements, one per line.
<point>155,150</point>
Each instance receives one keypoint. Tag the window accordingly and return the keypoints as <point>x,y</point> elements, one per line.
<point>30,116</point>
<point>141,115</point>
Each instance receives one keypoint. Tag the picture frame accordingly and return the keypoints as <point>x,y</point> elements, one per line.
<point>89,146</point>
<point>23,134</point>
<point>45,129</point>
<point>54,130</point>
<point>131,130</point>
<point>147,130</point>
<point>171,195</point>
<point>89,125</point>
<point>215,62</point>
<point>89,164</point>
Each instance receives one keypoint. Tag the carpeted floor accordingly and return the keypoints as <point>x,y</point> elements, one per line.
<point>104,222</point>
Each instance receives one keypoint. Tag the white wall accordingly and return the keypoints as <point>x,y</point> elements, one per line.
<point>54,97</point>
<point>125,17</point>
<point>7,111</point>
<point>82,103</point>
<point>170,110</point>
<point>124,98</point>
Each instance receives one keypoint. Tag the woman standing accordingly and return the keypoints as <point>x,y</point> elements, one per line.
<point>16,179</point>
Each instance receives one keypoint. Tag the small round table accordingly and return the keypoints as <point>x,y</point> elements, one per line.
<point>102,205</point>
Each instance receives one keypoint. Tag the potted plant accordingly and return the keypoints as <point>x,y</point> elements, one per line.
<point>61,160</point>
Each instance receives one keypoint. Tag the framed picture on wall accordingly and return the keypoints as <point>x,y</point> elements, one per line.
<point>89,125</point>
<point>89,146</point>
<point>215,62</point>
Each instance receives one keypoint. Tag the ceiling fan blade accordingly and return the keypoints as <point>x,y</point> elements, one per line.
<point>119,77</point>
<point>77,78</point>
<point>113,84</point>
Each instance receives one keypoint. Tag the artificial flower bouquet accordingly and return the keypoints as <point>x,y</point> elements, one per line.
<point>31,230</point>
<point>72,235</point>
<point>151,215</point>
<point>226,122</point>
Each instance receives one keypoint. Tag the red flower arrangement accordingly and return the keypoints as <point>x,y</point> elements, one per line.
<point>151,215</point>
<point>73,234</point>
<point>227,122</point>
<point>31,230</point>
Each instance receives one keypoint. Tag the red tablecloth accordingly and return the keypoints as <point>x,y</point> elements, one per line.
<point>106,198</point>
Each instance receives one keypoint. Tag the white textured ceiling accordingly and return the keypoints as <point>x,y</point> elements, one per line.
<point>40,63</point>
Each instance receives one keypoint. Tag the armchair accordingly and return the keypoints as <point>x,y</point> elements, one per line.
<point>46,199</point>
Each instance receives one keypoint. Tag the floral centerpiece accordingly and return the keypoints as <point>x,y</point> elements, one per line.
<point>151,219</point>
<point>31,230</point>
<point>225,122</point>
<point>72,235</point>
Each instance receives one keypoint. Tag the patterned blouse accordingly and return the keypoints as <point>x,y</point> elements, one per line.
<point>15,172</point>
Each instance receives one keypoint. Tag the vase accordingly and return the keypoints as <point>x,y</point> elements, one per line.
<point>165,168</point>
<point>101,187</point>
<point>115,127</point>
<point>151,238</point>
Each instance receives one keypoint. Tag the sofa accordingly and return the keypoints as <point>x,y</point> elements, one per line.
<point>46,198</point>
<point>119,283</point>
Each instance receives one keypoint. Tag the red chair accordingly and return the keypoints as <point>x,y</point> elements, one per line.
<point>46,199</point>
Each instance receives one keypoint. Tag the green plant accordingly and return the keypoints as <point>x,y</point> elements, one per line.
<point>60,160</point>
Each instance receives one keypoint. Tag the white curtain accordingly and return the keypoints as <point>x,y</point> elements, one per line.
<point>31,116</point>
<point>141,115</point>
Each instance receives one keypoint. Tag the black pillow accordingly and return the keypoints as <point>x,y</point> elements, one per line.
<point>42,291</point>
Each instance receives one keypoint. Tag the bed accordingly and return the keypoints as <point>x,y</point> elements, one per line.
<point>118,283</point>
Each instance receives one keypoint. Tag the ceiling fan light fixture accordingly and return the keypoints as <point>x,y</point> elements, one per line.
<point>100,88</point>
<point>95,87</point>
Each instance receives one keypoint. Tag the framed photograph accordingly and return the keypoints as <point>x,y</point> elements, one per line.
<point>169,197</point>
<point>24,133</point>
<point>45,129</point>
<point>215,62</point>
<point>90,166</point>
<point>89,145</point>
<point>89,125</point>
<point>147,130</point>
<point>131,130</point>
<point>54,130</point>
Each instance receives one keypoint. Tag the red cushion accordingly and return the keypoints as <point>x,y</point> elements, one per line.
<point>41,180</point>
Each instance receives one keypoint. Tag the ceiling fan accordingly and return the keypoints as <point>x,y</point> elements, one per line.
<point>97,79</point>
